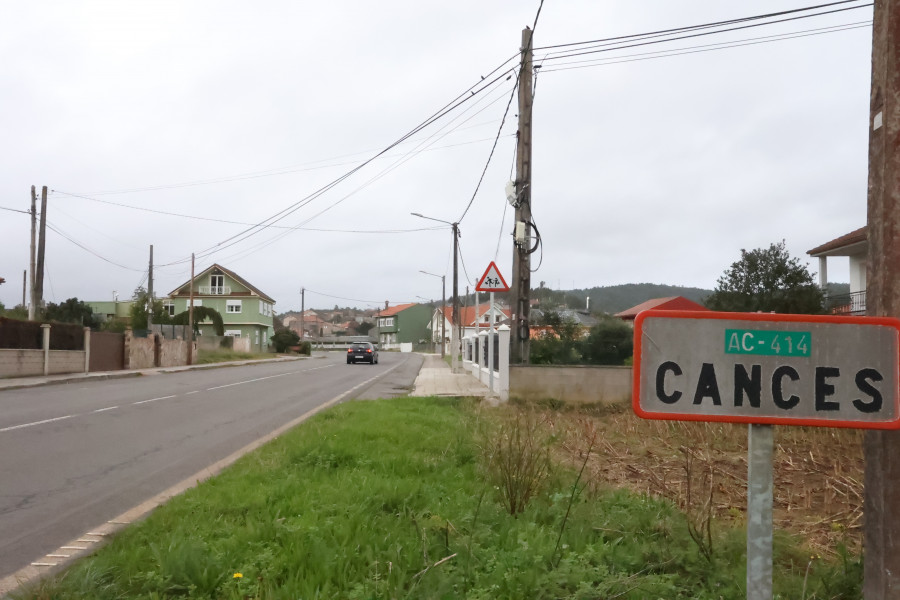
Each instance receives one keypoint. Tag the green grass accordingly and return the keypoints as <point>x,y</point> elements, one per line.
<point>217,356</point>
<point>365,500</point>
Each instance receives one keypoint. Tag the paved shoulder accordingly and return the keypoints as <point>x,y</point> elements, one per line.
<point>399,381</point>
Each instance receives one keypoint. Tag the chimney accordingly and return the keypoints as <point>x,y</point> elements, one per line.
<point>385,305</point>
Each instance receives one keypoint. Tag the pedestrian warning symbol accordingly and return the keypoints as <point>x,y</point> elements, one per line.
<point>492,280</point>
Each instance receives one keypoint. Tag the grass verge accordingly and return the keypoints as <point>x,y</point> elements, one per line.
<point>217,356</point>
<point>390,499</point>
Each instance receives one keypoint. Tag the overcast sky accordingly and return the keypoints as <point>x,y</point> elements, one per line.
<point>657,170</point>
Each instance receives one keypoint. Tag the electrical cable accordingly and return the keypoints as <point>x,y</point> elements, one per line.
<point>602,62</point>
<point>493,148</point>
<point>24,212</point>
<point>376,302</point>
<point>599,49</point>
<point>662,32</point>
<point>271,220</point>
<point>228,222</point>
<point>86,249</point>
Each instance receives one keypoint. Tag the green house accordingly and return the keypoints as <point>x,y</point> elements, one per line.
<point>403,324</point>
<point>246,311</point>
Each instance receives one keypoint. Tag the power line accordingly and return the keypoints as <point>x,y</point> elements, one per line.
<point>276,171</point>
<point>473,90</point>
<point>662,32</point>
<point>493,147</point>
<point>229,222</point>
<point>601,62</point>
<point>621,46</point>
<point>86,249</point>
<point>24,212</point>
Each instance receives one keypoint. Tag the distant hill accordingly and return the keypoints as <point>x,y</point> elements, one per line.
<point>609,299</point>
<point>616,298</point>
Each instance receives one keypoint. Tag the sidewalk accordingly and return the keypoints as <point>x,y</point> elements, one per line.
<point>436,379</point>
<point>13,383</point>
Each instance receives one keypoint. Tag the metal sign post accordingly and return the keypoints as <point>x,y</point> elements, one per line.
<point>763,370</point>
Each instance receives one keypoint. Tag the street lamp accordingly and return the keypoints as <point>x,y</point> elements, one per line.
<point>453,330</point>
<point>443,304</point>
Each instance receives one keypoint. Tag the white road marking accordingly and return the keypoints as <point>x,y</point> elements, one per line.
<point>219,387</point>
<point>24,425</point>
<point>73,547</point>
<point>194,392</point>
<point>58,555</point>
<point>100,410</point>
<point>153,400</point>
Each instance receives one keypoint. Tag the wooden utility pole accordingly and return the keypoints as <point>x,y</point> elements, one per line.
<point>882,448</point>
<point>24,286</point>
<point>454,332</point>
<point>39,268</point>
<point>302,311</point>
<point>521,288</point>
<point>150,291</point>
<point>190,350</point>
<point>31,265</point>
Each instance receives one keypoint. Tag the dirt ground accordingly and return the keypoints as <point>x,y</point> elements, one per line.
<point>702,467</point>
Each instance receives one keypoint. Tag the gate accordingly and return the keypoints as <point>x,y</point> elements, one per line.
<point>107,351</point>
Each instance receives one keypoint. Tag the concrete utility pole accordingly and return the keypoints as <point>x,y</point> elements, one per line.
<point>882,448</point>
<point>31,265</point>
<point>302,310</point>
<point>521,286</point>
<point>150,291</point>
<point>39,268</point>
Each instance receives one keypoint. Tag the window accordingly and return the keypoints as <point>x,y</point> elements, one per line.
<point>232,306</point>
<point>216,284</point>
<point>198,301</point>
<point>169,308</point>
<point>386,322</point>
<point>255,337</point>
<point>233,333</point>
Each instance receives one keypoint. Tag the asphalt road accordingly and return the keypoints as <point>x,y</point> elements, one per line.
<point>74,456</point>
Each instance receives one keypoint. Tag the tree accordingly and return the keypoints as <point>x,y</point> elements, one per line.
<point>767,280</point>
<point>140,309</point>
<point>72,310</point>
<point>284,339</point>
<point>611,342</point>
<point>364,327</point>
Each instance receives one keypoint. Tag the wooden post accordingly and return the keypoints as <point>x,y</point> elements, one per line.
<point>882,448</point>
<point>521,288</point>
<point>190,344</point>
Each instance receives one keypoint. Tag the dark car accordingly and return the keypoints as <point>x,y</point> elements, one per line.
<point>362,352</point>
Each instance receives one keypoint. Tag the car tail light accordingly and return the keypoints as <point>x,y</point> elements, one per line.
<point>369,350</point>
<point>349,350</point>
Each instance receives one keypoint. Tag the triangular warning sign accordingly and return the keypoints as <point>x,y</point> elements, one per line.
<point>492,280</point>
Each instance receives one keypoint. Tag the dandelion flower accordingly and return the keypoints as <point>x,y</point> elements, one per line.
<point>237,575</point>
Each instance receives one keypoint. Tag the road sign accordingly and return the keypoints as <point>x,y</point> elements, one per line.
<point>492,280</point>
<point>767,369</point>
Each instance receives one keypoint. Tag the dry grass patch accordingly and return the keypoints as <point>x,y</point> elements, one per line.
<point>818,471</point>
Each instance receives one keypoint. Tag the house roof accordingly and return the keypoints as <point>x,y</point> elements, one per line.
<point>467,313</point>
<point>183,288</point>
<point>393,310</point>
<point>838,246</point>
<point>669,303</point>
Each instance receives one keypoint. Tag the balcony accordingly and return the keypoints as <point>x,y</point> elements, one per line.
<point>846,304</point>
<point>214,290</point>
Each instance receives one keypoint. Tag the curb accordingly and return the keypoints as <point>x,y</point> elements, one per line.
<point>105,375</point>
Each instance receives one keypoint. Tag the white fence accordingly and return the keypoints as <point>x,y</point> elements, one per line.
<point>486,357</point>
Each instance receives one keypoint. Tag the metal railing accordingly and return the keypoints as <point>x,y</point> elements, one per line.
<point>846,304</point>
<point>215,290</point>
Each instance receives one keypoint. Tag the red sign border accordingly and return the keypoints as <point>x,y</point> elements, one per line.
<point>499,274</point>
<point>758,317</point>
